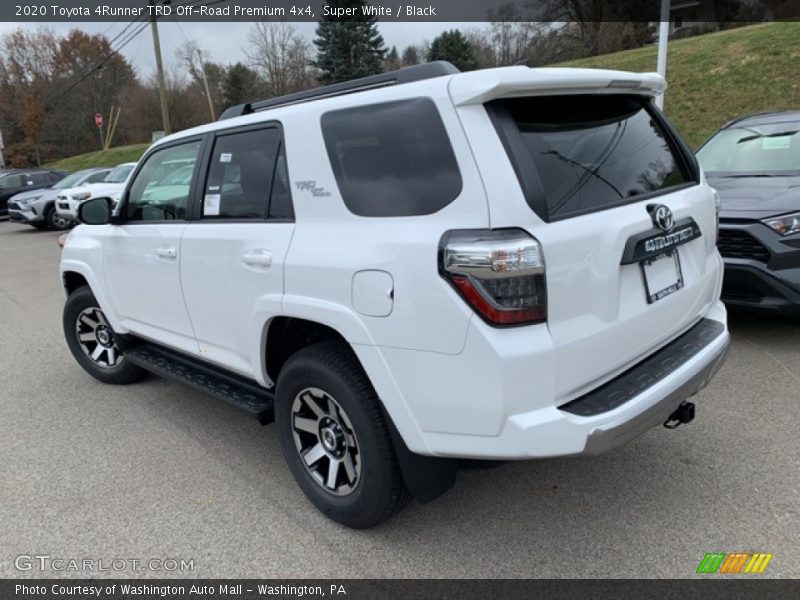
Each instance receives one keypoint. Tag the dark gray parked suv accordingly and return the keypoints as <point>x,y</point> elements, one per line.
<point>14,181</point>
<point>38,207</point>
<point>754,163</point>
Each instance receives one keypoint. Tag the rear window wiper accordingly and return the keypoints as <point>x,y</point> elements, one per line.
<point>592,172</point>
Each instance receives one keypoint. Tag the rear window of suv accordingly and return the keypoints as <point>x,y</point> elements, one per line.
<point>392,159</point>
<point>577,154</point>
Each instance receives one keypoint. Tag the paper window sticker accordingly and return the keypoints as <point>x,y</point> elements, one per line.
<point>211,205</point>
<point>776,143</point>
<point>213,188</point>
<point>225,157</point>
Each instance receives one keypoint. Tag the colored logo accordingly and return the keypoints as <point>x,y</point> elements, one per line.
<point>736,562</point>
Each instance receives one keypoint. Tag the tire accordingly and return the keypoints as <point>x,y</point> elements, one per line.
<point>91,340</point>
<point>350,429</point>
<point>53,221</point>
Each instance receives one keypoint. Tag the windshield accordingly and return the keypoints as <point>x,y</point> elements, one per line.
<point>70,181</point>
<point>757,150</point>
<point>118,174</point>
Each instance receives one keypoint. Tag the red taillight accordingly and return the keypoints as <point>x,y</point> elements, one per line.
<point>500,273</point>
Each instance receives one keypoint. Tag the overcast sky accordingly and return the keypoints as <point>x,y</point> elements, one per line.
<point>223,42</point>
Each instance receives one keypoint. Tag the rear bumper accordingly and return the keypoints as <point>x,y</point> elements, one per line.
<point>641,398</point>
<point>612,436</point>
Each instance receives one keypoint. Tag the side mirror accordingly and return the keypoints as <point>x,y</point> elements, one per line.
<point>95,211</point>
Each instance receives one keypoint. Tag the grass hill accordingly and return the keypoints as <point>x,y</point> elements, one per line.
<point>101,158</point>
<point>716,77</point>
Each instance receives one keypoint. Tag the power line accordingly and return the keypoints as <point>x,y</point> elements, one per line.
<point>115,50</point>
<point>99,65</point>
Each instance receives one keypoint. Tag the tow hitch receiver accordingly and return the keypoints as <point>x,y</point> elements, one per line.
<point>684,414</point>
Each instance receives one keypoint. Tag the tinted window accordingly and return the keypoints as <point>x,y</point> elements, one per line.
<point>11,181</point>
<point>393,159</point>
<point>153,195</point>
<point>589,152</point>
<point>39,178</point>
<point>280,206</point>
<point>241,175</point>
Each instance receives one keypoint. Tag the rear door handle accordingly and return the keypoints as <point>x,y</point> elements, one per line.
<point>261,259</point>
<point>167,252</point>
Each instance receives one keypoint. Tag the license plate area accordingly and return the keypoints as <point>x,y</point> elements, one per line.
<point>662,275</point>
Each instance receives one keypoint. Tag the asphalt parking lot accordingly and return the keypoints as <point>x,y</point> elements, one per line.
<point>157,470</point>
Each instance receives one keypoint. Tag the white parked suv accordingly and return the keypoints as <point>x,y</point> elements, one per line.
<point>111,186</point>
<point>415,268</point>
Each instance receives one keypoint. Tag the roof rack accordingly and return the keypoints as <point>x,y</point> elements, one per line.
<point>411,74</point>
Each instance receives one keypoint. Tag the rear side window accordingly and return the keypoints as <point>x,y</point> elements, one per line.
<point>392,159</point>
<point>39,178</point>
<point>247,177</point>
<point>578,154</point>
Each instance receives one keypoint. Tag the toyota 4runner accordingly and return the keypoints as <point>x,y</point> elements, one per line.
<point>415,268</point>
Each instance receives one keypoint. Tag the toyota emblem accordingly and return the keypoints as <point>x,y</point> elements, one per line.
<point>662,218</point>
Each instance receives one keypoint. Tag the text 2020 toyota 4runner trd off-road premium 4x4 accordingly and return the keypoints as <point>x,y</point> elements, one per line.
<point>414,268</point>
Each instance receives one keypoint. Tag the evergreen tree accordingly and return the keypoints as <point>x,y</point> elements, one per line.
<point>392,61</point>
<point>410,56</point>
<point>240,85</point>
<point>452,46</point>
<point>348,47</point>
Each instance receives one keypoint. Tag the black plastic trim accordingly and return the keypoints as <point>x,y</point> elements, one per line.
<point>426,477</point>
<point>636,246</point>
<point>240,392</point>
<point>655,367</point>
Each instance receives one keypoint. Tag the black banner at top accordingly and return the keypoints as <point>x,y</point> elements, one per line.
<point>585,11</point>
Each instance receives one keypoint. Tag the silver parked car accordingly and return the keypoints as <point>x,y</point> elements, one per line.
<point>37,207</point>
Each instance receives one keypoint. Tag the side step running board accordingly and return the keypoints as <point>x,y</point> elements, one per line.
<point>244,394</point>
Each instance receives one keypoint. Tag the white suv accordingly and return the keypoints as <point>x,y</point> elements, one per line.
<point>111,186</point>
<point>415,268</point>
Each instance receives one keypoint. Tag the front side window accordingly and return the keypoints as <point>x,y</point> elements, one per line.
<point>159,191</point>
<point>392,159</point>
<point>589,152</point>
<point>241,175</point>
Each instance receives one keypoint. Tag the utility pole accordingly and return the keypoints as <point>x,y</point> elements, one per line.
<point>162,91</point>
<point>663,42</point>
<point>2,159</point>
<point>205,83</point>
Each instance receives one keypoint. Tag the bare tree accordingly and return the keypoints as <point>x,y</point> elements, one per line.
<point>282,57</point>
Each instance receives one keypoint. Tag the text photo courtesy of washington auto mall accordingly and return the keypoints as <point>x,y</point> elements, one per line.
<point>351,298</point>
